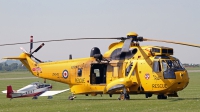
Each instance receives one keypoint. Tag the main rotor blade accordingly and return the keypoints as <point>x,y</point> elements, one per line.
<point>126,45</point>
<point>61,40</point>
<point>173,42</point>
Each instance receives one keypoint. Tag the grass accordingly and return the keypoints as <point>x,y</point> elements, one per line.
<point>15,74</point>
<point>188,100</point>
<point>193,68</point>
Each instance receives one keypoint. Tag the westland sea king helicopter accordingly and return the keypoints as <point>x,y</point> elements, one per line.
<point>126,68</point>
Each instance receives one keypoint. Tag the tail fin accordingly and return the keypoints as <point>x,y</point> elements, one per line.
<point>9,91</point>
<point>25,59</point>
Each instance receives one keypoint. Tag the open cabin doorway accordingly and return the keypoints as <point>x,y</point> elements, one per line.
<point>98,73</point>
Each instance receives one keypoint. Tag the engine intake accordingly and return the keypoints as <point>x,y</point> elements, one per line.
<point>95,51</point>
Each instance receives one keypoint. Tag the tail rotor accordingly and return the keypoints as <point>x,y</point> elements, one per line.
<point>31,47</point>
<point>37,48</point>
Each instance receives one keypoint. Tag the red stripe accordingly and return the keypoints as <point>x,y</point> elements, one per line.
<point>30,95</point>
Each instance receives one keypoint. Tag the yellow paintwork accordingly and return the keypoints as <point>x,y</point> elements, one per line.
<point>135,82</point>
<point>132,34</point>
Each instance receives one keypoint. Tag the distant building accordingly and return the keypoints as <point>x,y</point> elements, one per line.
<point>191,65</point>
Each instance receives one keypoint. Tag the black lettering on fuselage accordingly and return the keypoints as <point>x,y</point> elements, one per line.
<point>156,77</point>
<point>80,80</point>
<point>159,85</point>
<point>78,66</point>
<point>55,74</point>
<point>74,67</point>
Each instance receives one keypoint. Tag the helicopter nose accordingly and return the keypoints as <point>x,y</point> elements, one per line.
<point>182,75</point>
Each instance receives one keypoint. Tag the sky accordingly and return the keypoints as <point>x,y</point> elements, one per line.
<point>175,20</point>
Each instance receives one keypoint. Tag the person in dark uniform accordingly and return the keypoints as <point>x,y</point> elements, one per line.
<point>93,78</point>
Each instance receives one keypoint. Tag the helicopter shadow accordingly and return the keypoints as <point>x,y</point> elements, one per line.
<point>181,99</point>
<point>170,99</point>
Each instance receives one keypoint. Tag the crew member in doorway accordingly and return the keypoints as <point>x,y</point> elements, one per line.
<point>93,78</point>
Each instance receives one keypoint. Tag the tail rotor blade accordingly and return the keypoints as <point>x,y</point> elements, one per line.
<point>31,43</point>
<point>37,59</point>
<point>38,48</point>
<point>23,49</point>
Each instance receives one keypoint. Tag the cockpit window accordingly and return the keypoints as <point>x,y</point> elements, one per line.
<point>128,69</point>
<point>167,66</point>
<point>168,69</point>
<point>161,57</point>
<point>156,66</point>
<point>172,64</point>
<point>80,72</point>
<point>179,63</point>
<point>164,65</point>
<point>46,85</point>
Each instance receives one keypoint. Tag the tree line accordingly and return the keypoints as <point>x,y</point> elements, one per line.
<point>20,67</point>
<point>12,67</point>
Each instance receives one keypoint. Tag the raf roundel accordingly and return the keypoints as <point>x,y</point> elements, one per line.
<point>65,74</point>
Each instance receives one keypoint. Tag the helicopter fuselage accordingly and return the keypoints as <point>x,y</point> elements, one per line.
<point>143,70</point>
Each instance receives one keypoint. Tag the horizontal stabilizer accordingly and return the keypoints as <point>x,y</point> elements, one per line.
<point>16,58</point>
<point>51,93</point>
<point>5,91</point>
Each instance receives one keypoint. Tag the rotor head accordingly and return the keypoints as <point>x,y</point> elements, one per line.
<point>132,34</point>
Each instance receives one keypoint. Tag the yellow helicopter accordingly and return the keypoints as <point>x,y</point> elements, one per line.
<point>126,68</point>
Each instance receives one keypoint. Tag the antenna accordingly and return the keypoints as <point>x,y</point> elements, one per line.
<point>70,56</point>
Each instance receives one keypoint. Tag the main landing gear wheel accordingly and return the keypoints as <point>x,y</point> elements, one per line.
<point>50,97</point>
<point>147,95</point>
<point>35,97</point>
<point>162,96</point>
<point>71,97</point>
<point>124,96</point>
